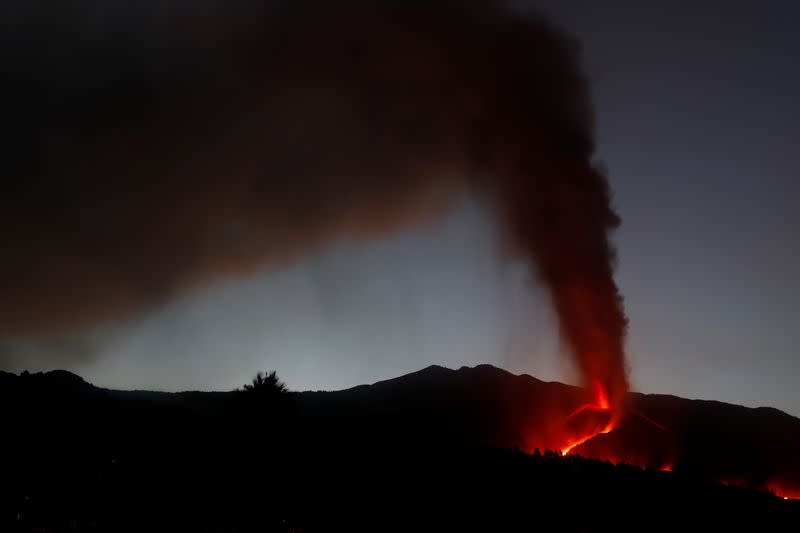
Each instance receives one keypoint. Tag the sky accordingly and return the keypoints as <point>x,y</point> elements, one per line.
<point>696,121</point>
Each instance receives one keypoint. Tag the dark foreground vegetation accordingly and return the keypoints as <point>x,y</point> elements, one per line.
<point>80,458</point>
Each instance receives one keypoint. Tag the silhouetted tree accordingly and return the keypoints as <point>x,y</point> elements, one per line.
<point>266,384</point>
<point>265,398</point>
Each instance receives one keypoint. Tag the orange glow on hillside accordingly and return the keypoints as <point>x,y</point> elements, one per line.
<point>566,450</point>
<point>784,492</point>
<point>600,405</point>
<point>776,488</point>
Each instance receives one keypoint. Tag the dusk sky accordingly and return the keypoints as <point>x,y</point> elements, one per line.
<point>697,119</point>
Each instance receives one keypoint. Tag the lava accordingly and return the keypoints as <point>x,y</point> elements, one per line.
<point>782,491</point>
<point>641,441</point>
<point>776,488</point>
<point>587,417</point>
<point>602,396</point>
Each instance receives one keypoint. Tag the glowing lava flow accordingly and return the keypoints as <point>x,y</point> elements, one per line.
<point>776,488</point>
<point>601,405</point>
<point>783,492</point>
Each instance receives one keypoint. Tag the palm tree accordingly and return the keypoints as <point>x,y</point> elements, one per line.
<point>267,401</point>
<point>268,384</point>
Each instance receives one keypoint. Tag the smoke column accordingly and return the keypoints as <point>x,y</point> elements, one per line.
<point>154,149</point>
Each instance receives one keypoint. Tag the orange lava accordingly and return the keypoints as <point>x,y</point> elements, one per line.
<point>774,487</point>
<point>602,396</point>
<point>600,405</point>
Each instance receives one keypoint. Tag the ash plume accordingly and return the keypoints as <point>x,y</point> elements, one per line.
<point>154,147</point>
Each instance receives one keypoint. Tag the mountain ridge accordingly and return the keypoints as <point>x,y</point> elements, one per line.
<point>435,409</point>
<point>61,377</point>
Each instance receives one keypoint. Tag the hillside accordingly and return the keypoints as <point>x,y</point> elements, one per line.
<point>462,439</point>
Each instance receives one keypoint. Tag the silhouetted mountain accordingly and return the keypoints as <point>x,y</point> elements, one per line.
<point>637,441</point>
<point>480,406</point>
<point>741,445</point>
<point>139,460</point>
<point>487,406</point>
<point>53,381</point>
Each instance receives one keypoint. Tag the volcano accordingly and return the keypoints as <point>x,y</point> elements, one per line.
<point>481,406</point>
<point>474,406</point>
<point>636,441</point>
<point>478,437</point>
<point>484,405</point>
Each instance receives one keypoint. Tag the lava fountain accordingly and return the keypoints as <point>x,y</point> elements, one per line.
<point>590,419</point>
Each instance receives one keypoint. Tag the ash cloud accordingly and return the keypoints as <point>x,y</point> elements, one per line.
<point>154,149</point>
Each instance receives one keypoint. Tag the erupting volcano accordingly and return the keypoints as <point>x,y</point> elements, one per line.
<point>596,413</point>
<point>350,119</point>
<point>333,191</point>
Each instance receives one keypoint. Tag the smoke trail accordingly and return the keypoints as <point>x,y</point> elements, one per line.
<point>163,148</point>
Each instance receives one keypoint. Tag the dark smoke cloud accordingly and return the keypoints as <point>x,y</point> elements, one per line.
<point>152,149</point>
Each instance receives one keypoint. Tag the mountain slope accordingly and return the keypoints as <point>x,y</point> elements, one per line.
<point>443,408</point>
<point>425,451</point>
<point>491,407</point>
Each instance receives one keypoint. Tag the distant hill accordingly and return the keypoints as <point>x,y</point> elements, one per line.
<point>53,381</point>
